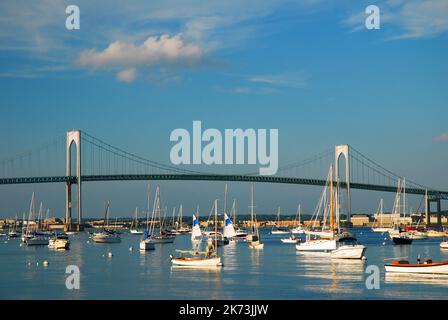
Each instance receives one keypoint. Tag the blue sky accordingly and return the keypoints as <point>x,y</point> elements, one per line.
<point>135,71</point>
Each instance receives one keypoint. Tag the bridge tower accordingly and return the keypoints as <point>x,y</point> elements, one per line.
<point>73,137</point>
<point>344,150</point>
<point>437,201</point>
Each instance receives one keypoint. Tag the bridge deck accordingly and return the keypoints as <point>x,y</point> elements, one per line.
<point>211,177</point>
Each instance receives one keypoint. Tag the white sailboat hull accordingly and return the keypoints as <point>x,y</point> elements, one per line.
<point>146,244</point>
<point>196,262</point>
<point>322,234</point>
<point>415,235</point>
<point>435,268</point>
<point>279,232</point>
<point>348,252</point>
<point>382,230</point>
<point>132,231</point>
<point>444,245</point>
<point>298,230</point>
<point>317,245</point>
<point>163,239</point>
<point>436,234</point>
<point>289,240</point>
<point>102,238</point>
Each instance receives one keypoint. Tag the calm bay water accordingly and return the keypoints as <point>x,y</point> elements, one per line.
<point>276,272</point>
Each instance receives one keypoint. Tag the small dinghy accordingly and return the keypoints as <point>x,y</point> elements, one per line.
<point>292,239</point>
<point>428,267</point>
<point>196,259</point>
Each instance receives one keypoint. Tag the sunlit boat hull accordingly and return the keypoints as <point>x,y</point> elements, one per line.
<point>59,244</point>
<point>169,239</point>
<point>317,245</point>
<point>279,232</point>
<point>196,262</point>
<point>100,238</point>
<point>298,230</point>
<point>289,240</point>
<point>348,252</point>
<point>132,231</point>
<point>322,234</point>
<point>382,230</point>
<point>432,268</point>
<point>416,235</point>
<point>147,244</point>
<point>436,234</point>
<point>256,245</point>
<point>444,245</point>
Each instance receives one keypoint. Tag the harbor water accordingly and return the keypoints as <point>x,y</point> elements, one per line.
<point>276,272</point>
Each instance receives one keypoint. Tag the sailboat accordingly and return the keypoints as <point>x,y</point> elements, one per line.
<point>13,233</point>
<point>161,237</point>
<point>106,235</point>
<point>298,224</point>
<point>146,243</point>
<point>254,237</point>
<point>380,228</point>
<point>346,248</point>
<point>181,229</point>
<point>34,238</point>
<point>133,229</point>
<point>397,234</point>
<point>196,234</point>
<point>277,229</point>
<point>196,259</point>
<point>240,234</point>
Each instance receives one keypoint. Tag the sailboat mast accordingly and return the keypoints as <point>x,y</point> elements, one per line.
<point>148,208</point>
<point>331,199</point>
<point>252,206</point>
<point>225,198</point>
<point>426,206</point>
<point>216,226</point>
<point>404,197</point>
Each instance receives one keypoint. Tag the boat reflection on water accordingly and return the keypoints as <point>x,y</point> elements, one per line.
<point>401,278</point>
<point>326,275</point>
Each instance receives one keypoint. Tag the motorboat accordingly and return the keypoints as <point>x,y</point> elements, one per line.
<point>106,236</point>
<point>444,245</point>
<point>348,248</point>
<point>59,242</point>
<point>428,267</point>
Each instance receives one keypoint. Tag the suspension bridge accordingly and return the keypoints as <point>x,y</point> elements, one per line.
<point>97,160</point>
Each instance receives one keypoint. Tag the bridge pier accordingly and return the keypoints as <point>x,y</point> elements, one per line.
<point>73,137</point>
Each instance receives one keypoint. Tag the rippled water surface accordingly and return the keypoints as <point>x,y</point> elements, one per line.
<point>276,272</point>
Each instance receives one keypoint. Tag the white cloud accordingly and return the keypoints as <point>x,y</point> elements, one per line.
<point>288,80</point>
<point>153,51</point>
<point>422,18</point>
<point>441,137</point>
<point>414,19</point>
<point>127,75</point>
